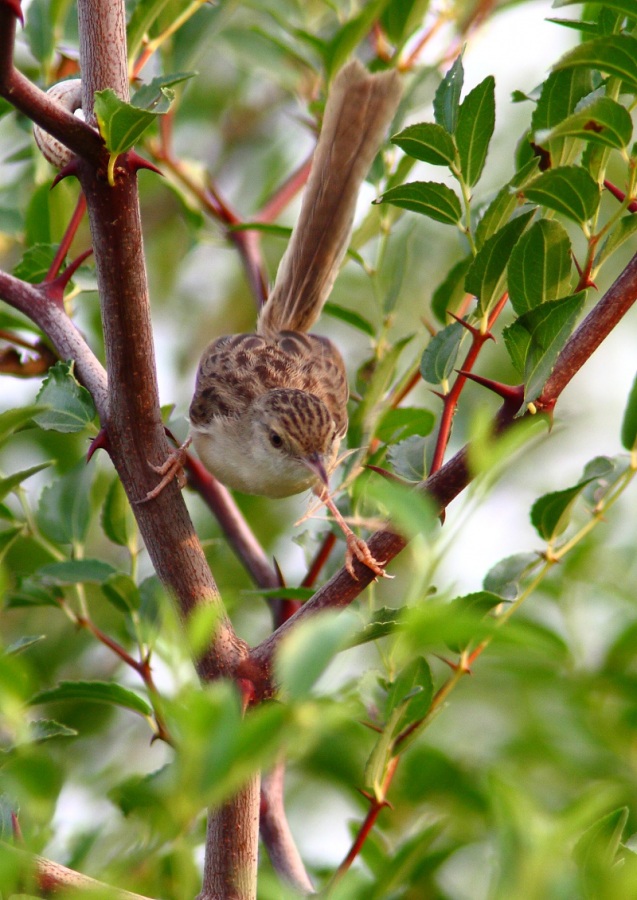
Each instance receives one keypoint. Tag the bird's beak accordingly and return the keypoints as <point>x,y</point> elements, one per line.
<point>315,464</point>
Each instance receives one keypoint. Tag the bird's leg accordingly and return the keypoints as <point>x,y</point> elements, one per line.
<point>356,547</point>
<point>172,467</point>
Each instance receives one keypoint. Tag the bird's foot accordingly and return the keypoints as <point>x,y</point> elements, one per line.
<point>357,547</point>
<point>172,467</point>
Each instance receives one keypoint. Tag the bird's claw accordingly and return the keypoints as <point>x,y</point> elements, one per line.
<point>357,547</point>
<point>172,467</point>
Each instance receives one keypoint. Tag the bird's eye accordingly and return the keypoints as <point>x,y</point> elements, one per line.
<point>276,440</point>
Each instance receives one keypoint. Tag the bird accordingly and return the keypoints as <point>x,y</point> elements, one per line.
<point>269,409</point>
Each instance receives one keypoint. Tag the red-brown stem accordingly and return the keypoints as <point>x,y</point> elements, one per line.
<point>369,821</point>
<point>450,401</point>
<point>285,193</point>
<point>620,195</point>
<point>67,239</point>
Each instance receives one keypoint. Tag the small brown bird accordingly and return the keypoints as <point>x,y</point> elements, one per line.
<point>269,409</point>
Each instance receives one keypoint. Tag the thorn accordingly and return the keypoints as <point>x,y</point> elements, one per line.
<point>473,331</point>
<point>388,475</point>
<point>133,162</point>
<point>15,828</point>
<point>100,442</point>
<point>279,573</point>
<point>512,395</point>
<point>452,665</point>
<point>56,287</point>
<point>65,172</point>
<point>439,394</point>
<point>16,9</point>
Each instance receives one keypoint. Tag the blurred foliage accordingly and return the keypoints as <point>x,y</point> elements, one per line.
<point>517,782</point>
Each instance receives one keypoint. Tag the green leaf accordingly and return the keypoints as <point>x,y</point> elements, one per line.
<point>122,124</point>
<point>624,6</point>
<point>471,610</point>
<point>64,510</point>
<point>23,643</point>
<point>352,318</point>
<point>439,357</point>
<point>496,214</point>
<point>551,513</point>
<point>122,592</point>
<point>400,19</point>
<point>540,266</point>
<point>629,422</point>
<point>40,31</point>
<point>70,407</point>
<point>535,339</point>
<point>597,849</point>
<point>487,275</point>
<point>428,142</point>
<point>603,121</point>
<point>8,536</point>
<point>118,521</point>
<point>450,292</point>
<point>614,55</point>
<point>623,231</point>
<point>144,16</point>
<point>505,576</point>
<point>428,198</point>
<point>385,622</point>
<point>568,190</point>
<point>35,263</point>
<point>348,37</point>
<point>413,690</point>
<point>476,121</point>
<point>11,482</point>
<point>407,458</point>
<point>48,729</point>
<point>447,97</point>
<point>154,96</point>
<point>14,419</point>
<point>306,652</point>
<point>561,92</point>
<point>77,571</point>
<point>94,692</point>
<point>401,423</point>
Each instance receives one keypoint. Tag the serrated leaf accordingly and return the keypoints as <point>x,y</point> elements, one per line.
<point>412,689</point>
<point>476,121</point>
<point>118,521</point>
<point>385,622</point>
<point>603,121</point>
<point>11,482</point>
<point>94,692</point>
<point>154,96</point>
<point>64,510</point>
<point>439,357</point>
<point>540,266</point>
<point>398,424</point>
<point>122,592</point>
<point>629,422</point>
<point>447,97</point>
<point>30,594</point>
<point>121,124</point>
<point>450,292</point>
<point>428,142</point>
<point>77,571</point>
<point>504,577</point>
<point>568,190</point>
<point>70,407</point>
<point>535,339</point>
<point>35,263</point>
<point>496,214</point>
<point>487,274</point>
<point>613,55</point>
<point>48,729</point>
<point>428,198</point>
<point>551,513</point>
<point>407,458</point>
<point>306,652</point>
